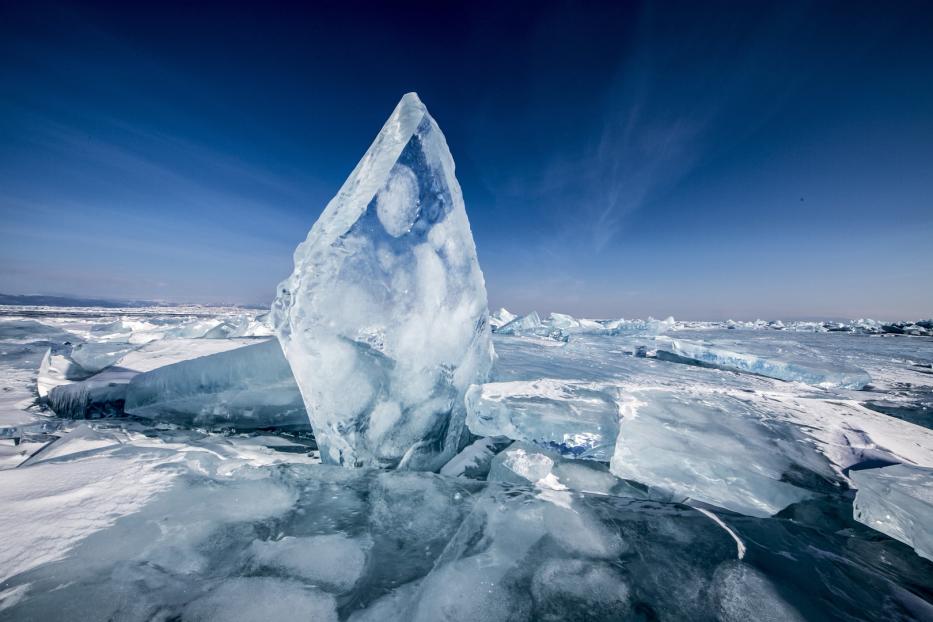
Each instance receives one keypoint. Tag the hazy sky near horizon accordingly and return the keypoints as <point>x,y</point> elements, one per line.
<point>707,161</point>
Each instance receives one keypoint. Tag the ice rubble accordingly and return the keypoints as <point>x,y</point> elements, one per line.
<point>247,387</point>
<point>573,418</point>
<point>562,327</point>
<point>742,442</point>
<point>773,364</point>
<point>175,537</point>
<point>384,319</point>
<point>897,500</point>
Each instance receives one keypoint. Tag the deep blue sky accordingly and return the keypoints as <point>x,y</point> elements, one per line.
<point>705,161</point>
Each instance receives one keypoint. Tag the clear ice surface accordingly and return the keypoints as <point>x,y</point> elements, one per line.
<point>384,319</point>
<point>244,388</point>
<point>714,448</point>
<point>897,500</point>
<point>576,419</point>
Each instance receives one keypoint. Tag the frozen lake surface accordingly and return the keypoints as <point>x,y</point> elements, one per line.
<point>615,470</point>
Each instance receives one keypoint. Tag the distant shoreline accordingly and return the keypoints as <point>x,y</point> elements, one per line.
<point>105,303</point>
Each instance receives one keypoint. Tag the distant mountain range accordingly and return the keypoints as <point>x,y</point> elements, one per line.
<point>65,301</point>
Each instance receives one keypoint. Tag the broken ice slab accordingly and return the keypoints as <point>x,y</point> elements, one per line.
<point>897,500</point>
<point>527,464</point>
<point>779,360</point>
<point>245,388</point>
<point>716,448</point>
<point>384,319</point>
<point>575,419</point>
<point>103,394</point>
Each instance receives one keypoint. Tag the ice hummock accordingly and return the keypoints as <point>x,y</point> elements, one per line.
<point>244,388</point>
<point>897,500</point>
<point>384,319</point>
<point>776,363</point>
<point>575,419</point>
<point>104,393</point>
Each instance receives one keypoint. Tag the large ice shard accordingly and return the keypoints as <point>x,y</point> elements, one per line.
<point>384,319</point>
<point>898,501</point>
<point>575,419</point>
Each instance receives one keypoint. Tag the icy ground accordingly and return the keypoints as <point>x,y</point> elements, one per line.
<point>619,470</point>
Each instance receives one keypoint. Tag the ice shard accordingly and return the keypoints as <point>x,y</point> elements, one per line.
<point>897,500</point>
<point>384,319</point>
<point>500,318</point>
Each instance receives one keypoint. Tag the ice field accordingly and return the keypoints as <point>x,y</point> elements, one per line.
<point>645,487</point>
<point>378,446</point>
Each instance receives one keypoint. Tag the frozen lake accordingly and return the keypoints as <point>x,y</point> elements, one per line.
<point>645,471</point>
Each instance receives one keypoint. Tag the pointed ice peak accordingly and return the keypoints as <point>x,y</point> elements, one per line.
<point>371,174</point>
<point>410,104</point>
